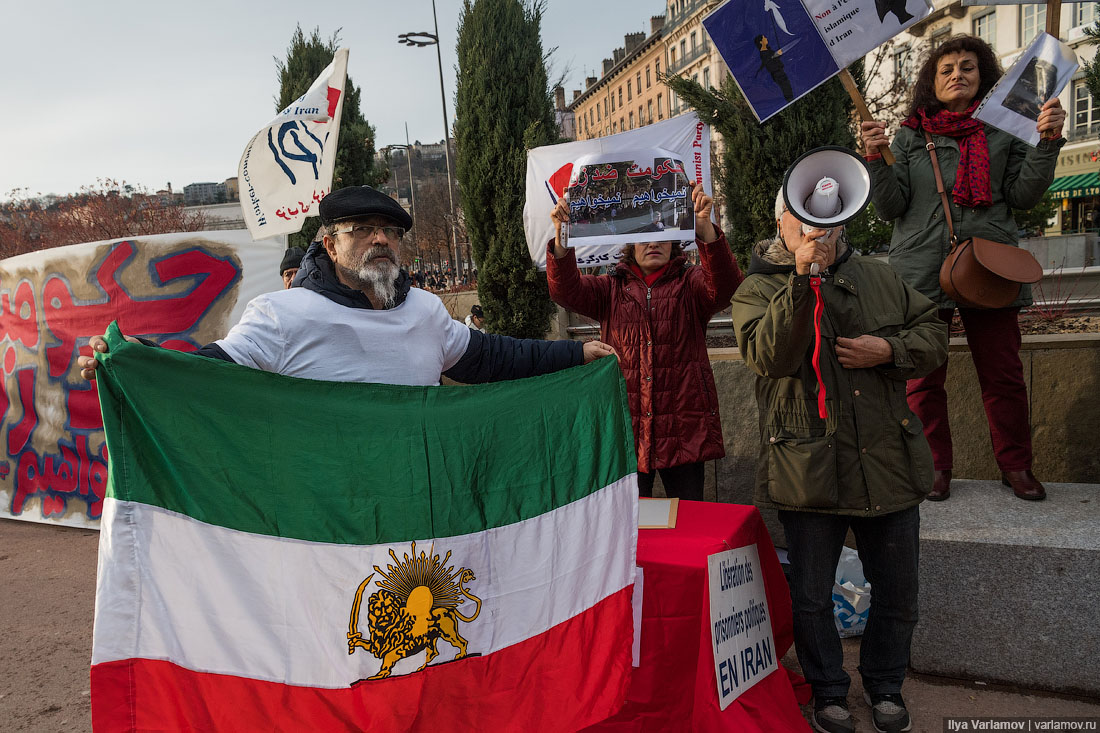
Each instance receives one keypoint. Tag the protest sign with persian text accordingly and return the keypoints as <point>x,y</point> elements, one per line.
<point>550,168</point>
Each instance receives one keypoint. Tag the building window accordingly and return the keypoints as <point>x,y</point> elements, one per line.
<point>647,81</point>
<point>640,82</point>
<point>657,67</point>
<point>1086,109</point>
<point>649,109</point>
<point>628,94</point>
<point>902,58</point>
<point>641,117</point>
<point>631,120</point>
<point>939,37</point>
<point>660,112</point>
<point>622,123</point>
<point>620,95</point>
<point>695,78</point>
<point>985,27</point>
<point>1033,19</point>
<point>683,49</point>
<point>1085,13</point>
<point>612,102</point>
<point>694,43</point>
<point>706,78</point>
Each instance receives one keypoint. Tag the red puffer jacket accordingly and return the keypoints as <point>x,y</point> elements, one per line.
<point>659,333</point>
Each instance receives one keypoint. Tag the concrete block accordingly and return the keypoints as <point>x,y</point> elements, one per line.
<point>1005,587</point>
<point>1065,413</point>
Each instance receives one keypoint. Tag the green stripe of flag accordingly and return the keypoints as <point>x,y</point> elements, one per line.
<point>355,463</point>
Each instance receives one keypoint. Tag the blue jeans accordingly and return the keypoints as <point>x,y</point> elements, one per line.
<point>888,547</point>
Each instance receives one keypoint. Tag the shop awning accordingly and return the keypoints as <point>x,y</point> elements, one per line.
<point>1071,187</point>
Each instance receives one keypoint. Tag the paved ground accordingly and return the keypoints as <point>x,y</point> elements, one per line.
<point>47,587</point>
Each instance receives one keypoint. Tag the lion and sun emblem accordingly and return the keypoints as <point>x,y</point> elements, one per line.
<point>415,606</point>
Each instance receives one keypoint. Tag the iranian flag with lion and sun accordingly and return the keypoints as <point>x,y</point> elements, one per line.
<point>288,554</point>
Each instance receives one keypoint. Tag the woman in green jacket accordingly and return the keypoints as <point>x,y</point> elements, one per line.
<point>987,173</point>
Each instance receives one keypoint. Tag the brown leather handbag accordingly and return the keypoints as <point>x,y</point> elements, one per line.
<point>980,273</point>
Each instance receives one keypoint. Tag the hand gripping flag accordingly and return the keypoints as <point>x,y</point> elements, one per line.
<point>287,166</point>
<point>377,558</point>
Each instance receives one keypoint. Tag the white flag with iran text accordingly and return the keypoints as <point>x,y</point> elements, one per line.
<point>287,166</point>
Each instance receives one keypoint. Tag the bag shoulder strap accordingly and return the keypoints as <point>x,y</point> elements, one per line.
<point>931,147</point>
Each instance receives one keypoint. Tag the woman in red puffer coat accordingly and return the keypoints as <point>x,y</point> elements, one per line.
<point>654,309</point>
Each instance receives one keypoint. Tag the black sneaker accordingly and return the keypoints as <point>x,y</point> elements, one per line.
<point>888,712</point>
<point>831,715</point>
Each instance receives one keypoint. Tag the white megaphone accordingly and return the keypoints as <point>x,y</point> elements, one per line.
<point>826,187</point>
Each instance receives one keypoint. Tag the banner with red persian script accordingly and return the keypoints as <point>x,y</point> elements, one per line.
<point>550,169</point>
<point>287,166</point>
<point>179,290</point>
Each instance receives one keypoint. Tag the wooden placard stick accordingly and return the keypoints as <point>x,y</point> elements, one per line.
<point>861,107</point>
<point>1054,18</point>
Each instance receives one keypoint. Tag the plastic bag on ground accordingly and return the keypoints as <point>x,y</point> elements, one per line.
<point>851,595</point>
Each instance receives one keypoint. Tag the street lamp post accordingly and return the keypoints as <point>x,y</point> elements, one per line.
<point>412,184</point>
<point>421,39</point>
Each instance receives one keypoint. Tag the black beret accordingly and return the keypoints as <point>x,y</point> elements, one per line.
<point>357,202</point>
<point>292,259</point>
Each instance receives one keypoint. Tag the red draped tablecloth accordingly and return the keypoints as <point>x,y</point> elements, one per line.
<point>674,689</point>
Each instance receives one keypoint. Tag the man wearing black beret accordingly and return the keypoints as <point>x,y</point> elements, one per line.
<point>353,316</point>
<point>288,268</point>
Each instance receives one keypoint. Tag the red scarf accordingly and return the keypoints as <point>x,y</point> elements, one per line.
<point>652,277</point>
<point>972,177</point>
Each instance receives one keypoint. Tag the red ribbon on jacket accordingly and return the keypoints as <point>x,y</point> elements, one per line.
<point>819,308</point>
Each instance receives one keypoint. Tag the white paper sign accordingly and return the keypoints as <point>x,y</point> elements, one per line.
<point>1014,102</point>
<point>621,199</point>
<point>550,168</point>
<point>780,50</point>
<point>740,622</point>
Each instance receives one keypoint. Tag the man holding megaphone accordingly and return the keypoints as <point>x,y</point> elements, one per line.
<point>833,336</point>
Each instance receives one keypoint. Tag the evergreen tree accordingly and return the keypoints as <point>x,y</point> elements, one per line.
<point>756,155</point>
<point>1092,68</point>
<point>306,58</point>
<point>503,106</point>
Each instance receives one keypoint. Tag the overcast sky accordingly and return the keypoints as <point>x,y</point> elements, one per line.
<point>152,92</point>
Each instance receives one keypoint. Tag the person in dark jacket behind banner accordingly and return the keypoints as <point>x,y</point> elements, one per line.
<point>863,465</point>
<point>653,310</point>
<point>986,173</point>
<point>353,315</point>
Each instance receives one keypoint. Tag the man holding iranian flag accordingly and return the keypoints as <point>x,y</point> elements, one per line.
<point>354,565</point>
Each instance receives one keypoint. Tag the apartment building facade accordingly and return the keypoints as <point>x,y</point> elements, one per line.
<point>627,94</point>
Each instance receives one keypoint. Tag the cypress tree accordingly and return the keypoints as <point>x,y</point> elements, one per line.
<point>306,58</point>
<point>757,155</point>
<point>503,107</point>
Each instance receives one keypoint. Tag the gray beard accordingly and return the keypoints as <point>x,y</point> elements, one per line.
<point>375,276</point>
<point>379,277</point>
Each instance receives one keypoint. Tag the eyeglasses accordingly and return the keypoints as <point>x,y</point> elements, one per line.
<point>366,231</point>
